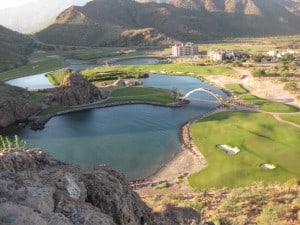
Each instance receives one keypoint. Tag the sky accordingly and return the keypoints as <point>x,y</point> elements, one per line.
<point>13,3</point>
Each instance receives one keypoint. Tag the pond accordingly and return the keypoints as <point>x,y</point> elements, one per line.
<point>134,139</point>
<point>40,81</point>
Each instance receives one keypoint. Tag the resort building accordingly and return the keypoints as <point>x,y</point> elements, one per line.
<point>217,55</point>
<point>188,49</point>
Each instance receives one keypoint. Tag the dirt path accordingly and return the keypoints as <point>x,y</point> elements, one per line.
<point>277,117</point>
<point>264,88</point>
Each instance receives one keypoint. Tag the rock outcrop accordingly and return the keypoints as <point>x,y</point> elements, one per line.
<point>15,105</point>
<point>76,90</point>
<point>36,189</point>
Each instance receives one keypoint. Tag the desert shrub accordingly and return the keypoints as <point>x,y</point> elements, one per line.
<point>15,142</point>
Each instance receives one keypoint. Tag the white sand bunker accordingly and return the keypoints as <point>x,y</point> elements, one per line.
<point>229,150</point>
<point>267,166</point>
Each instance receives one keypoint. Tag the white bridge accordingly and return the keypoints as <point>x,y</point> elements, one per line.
<point>218,97</point>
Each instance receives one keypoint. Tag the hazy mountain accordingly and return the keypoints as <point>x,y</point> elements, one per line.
<point>35,15</point>
<point>14,49</point>
<point>122,22</point>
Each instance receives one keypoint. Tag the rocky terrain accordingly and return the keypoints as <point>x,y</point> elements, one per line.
<point>76,90</point>
<point>127,22</point>
<point>36,189</point>
<point>15,105</point>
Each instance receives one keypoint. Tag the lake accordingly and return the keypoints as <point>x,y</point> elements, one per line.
<point>134,139</point>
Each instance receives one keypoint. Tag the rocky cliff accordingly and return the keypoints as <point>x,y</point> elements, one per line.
<point>15,105</point>
<point>36,189</point>
<point>76,90</point>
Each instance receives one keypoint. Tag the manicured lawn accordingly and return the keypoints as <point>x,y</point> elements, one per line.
<point>57,77</point>
<point>237,88</point>
<point>260,138</point>
<point>142,94</point>
<point>176,68</point>
<point>88,54</point>
<point>106,73</point>
<point>35,68</point>
<point>294,118</point>
<point>268,105</point>
<point>53,109</point>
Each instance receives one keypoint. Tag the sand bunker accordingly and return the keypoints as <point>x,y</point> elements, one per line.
<point>267,166</point>
<point>229,150</point>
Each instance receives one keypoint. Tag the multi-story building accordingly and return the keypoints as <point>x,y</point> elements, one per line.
<point>188,49</point>
<point>217,55</point>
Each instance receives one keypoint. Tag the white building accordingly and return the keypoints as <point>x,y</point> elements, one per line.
<point>217,55</point>
<point>188,49</point>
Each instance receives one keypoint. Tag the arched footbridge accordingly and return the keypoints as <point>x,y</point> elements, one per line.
<point>218,97</point>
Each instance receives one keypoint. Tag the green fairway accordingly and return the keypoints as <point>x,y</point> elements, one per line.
<point>294,118</point>
<point>105,73</point>
<point>151,95</point>
<point>237,88</point>
<point>268,105</point>
<point>260,138</point>
<point>176,68</point>
<point>53,109</point>
<point>35,68</point>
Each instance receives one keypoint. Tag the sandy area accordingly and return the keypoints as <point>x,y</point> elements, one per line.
<point>264,88</point>
<point>190,159</point>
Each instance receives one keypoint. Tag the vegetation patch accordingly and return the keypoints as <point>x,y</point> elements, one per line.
<point>269,106</point>
<point>294,118</point>
<point>94,53</point>
<point>34,68</point>
<point>137,71</point>
<point>52,109</point>
<point>14,142</point>
<point>151,95</point>
<point>237,88</point>
<point>57,77</point>
<point>261,139</point>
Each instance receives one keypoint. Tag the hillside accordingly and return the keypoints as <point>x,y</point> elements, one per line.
<point>14,49</point>
<point>102,23</point>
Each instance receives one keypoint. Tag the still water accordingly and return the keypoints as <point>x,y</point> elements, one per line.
<point>135,139</point>
<point>40,81</point>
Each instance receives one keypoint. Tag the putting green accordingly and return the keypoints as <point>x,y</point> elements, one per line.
<point>261,139</point>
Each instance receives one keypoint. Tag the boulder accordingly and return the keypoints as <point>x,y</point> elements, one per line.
<point>15,105</point>
<point>76,90</point>
<point>37,189</point>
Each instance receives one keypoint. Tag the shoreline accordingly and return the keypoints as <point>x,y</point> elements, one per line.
<point>38,122</point>
<point>190,160</point>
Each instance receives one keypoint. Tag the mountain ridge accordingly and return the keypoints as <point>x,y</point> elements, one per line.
<point>101,23</point>
<point>14,49</point>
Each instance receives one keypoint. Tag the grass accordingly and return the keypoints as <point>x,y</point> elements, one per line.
<point>261,139</point>
<point>151,95</point>
<point>36,96</point>
<point>237,88</point>
<point>52,109</point>
<point>175,69</point>
<point>94,53</point>
<point>269,106</point>
<point>294,118</point>
<point>57,77</point>
<point>34,68</point>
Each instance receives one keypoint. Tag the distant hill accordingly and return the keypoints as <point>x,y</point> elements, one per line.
<point>36,15</point>
<point>14,49</point>
<point>126,22</point>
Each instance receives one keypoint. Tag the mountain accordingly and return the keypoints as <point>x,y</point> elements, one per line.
<point>36,15</point>
<point>14,49</point>
<point>126,22</point>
